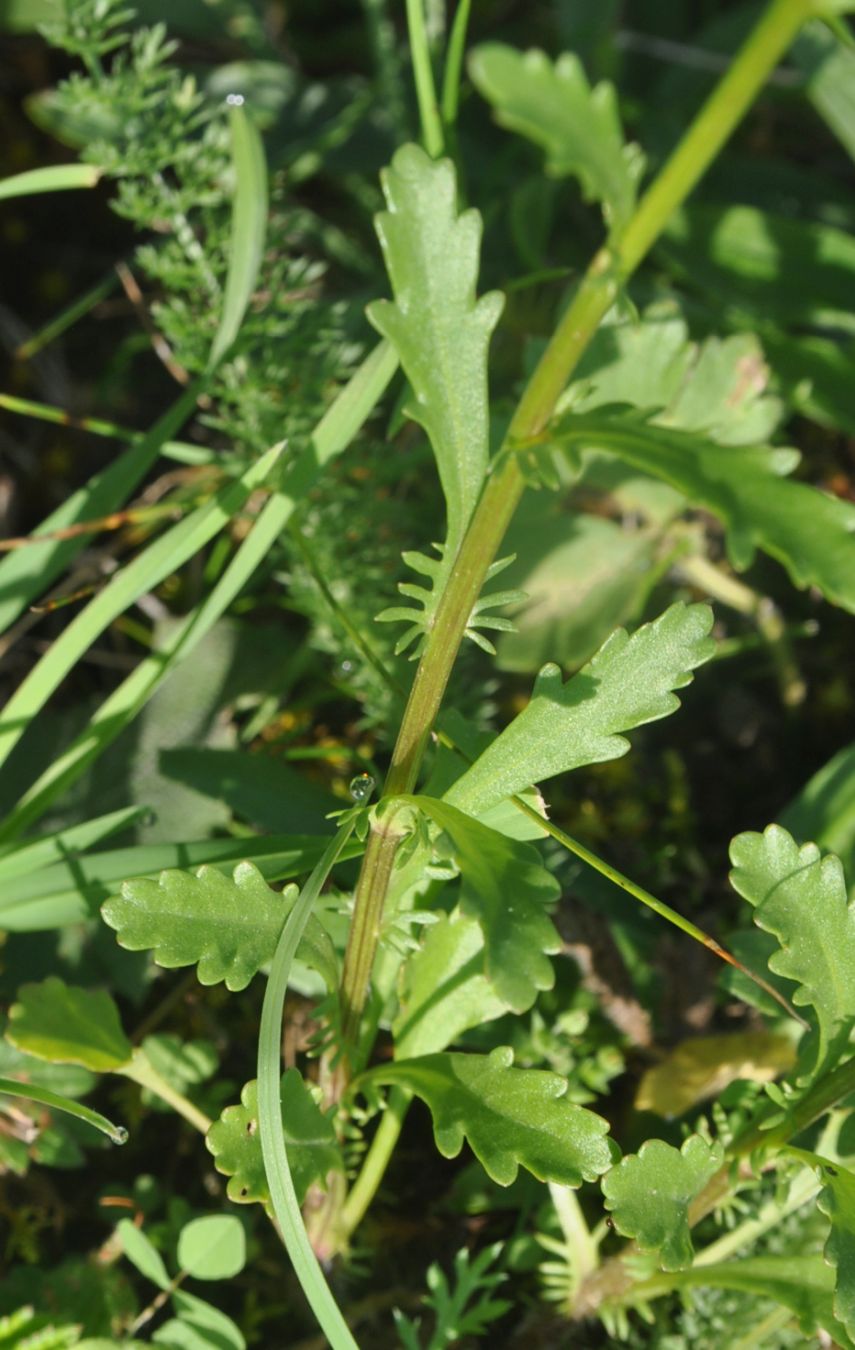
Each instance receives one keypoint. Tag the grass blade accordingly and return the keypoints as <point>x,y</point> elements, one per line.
<point>12,1088</point>
<point>147,570</point>
<point>54,178</point>
<point>249,226</point>
<point>332,435</point>
<point>26,574</point>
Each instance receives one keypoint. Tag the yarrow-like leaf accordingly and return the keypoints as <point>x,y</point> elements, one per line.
<point>629,682</point>
<point>511,1117</point>
<point>228,925</point>
<point>577,127</point>
<point>649,1192</point>
<point>800,897</point>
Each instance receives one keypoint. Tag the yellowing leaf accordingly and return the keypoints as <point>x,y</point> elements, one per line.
<point>703,1066</point>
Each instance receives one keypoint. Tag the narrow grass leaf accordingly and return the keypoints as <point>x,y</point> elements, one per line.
<point>249,227</point>
<point>146,571</point>
<point>332,435</point>
<point>51,178</point>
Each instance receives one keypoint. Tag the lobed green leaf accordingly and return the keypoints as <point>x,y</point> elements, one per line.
<point>649,1192</point>
<point>800,897</point>
<point>228,926</point>
<point>506,889</point>
<point>510,1117</point>
<point>577,127</point>
<point>811,533</point>
<point>440,331</point>
<point>629,682</point>
<point>309,1137</point>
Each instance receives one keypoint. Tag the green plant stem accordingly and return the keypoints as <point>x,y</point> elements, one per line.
<point>580,1242</point>
<point>68,317</point>
<point>140,1070</point>
<point>363,1190</point>
<point>431,122</point>
<point>610,267</point>
<point>454,64</point>
<point>613,1280</point>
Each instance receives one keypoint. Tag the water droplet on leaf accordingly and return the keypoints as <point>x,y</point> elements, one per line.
<point>119,1134</point>
<point>361,787</point>
<point>235,100</point>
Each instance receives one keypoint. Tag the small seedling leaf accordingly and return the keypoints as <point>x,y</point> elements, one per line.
<point>68,1025</point>
<point>649,1194</point>
<point>142,1253</point>
<point>213,1247</point>
<point>309,1137</point>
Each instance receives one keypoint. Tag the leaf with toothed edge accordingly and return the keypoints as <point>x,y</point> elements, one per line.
<point>629,682</point>
<point>649,1192</point>
<point>510,1117</point>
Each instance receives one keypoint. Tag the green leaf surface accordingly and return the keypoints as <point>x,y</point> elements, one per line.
<point>214,1330</point>
<point>142,1253</point>
<point>829,68</point>
<point>771,266</point>
<point>577,127</point>
<point>810,532</point>
<point>309,1138</point>
<point>228,925</point>
<point>800,897</point>
<point>628,683</point>
<point>249,227</point>
<point>213,1247</point>
<point>30,856</point>
<point>52,178</point>
<point>440,331</point>
<point>260,789</point>
<point>718,386</point>
<point>649,1192</point>
<point>837,1202</point>
<point>510,1117</point>
<point>801,1282</point>
<point>506,889</point>
<point>446,990</point>
<point>67,1025</point>
<point>71,891</point>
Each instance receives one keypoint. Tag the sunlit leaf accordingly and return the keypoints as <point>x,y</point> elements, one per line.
<point>228,925</point>
<point>649,1192</point>
<point>506,888</point>
<point>440,331</point>
<point>445,988</point>
<point>629,682</point>
<point>212,1247</point>
<point>52,178</point>
<point>800,897</point>
<point>68,1025</point>
<point>577,127</point>
<point>810,532</point>
<point>510,1117</point>
<point>142,1253</point>
<point>309,1138</point>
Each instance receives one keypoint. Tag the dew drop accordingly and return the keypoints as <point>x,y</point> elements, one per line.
<point>119,1134</point>
<point>235,100</point>
<point>361,787</point>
